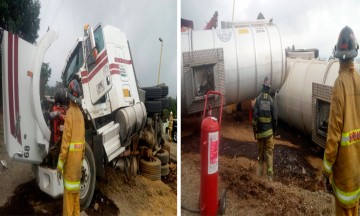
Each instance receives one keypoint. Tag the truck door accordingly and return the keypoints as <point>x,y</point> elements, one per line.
<point>26,134</point>
<point>98,77</point>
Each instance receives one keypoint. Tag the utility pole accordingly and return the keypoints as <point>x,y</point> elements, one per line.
<point>160,59</point>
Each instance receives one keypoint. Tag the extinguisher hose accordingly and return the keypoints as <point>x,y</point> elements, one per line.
<point>190,210</point>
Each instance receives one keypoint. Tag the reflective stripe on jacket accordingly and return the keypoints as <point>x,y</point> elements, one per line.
<point>342,153</point>
<point>72,148</point>
<point>264,115</point>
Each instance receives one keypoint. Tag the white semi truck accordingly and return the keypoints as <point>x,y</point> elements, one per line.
<point>119,115</point>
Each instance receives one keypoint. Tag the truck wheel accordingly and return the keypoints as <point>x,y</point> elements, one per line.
<point>151,169</point>
<point>152,92</point>
<point>175,136</point>
<point>165,170</point>
<point>88,180</point>
<point>163,156</point>
<point>153,106</point>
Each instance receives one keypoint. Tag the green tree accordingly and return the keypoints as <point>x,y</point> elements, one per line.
<point>172,108</point>
<point>44,78</point>
<point>21,17</point>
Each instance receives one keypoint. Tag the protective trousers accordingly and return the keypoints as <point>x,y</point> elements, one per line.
<point>340,211</point>
<point>170,134</point>
<point>71,203</point>
<point>266,149</point>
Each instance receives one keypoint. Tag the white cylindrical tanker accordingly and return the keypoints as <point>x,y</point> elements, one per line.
<point>234,60</point>
<point>295,98</point>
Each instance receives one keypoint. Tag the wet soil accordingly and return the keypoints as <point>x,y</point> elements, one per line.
<point>28,199</point>
<point>297,185</point>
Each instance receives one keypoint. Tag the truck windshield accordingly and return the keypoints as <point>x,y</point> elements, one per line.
<point>75,62</point>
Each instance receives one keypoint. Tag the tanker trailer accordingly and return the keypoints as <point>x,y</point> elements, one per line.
<point>233,60</point>
<point>303,101</point>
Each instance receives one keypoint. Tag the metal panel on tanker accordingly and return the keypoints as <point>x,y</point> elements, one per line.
<point>263,55</point>
<point>277,57</point>
<point>225,38</point>
<point>246,60</point>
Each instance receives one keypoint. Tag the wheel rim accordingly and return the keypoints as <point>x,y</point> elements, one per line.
<point>85,178</point>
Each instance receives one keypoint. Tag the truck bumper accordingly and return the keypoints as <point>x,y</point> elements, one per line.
<point>47,181</point>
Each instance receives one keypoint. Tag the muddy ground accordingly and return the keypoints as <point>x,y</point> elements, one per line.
<point>114,195</point>
<point>297,187</point>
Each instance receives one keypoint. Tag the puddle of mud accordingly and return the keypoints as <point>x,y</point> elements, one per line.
<point>102,205</point>
<point>28,199</point>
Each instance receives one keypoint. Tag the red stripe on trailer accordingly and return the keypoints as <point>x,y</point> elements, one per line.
<point>10,83</point>
<point>16,83</point>
<point>121,60</point>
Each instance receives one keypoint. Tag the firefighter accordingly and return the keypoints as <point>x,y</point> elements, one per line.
<point>72,152</point>
<point>171,120</point>
<point>342,153</point>
<point>264,124</point>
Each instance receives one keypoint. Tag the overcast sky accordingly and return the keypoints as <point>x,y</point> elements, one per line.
<point>305,23</point>
<point>143,21</point>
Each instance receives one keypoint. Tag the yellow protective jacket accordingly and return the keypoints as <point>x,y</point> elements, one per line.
<point>72,148</point>
<point>342,153</point>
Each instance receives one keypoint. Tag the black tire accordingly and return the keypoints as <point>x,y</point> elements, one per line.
<point>88,179</point>
<point>165,170</point>
<point>150,167</point>
<point>163,156</point>
<point>164,89</point>
<point>165,102</point>
<point>153,106</point>
<point>152,92</point>
<point>175,136</point>
<point>167,147</point>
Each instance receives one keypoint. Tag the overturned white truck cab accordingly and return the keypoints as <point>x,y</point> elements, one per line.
<point>117,112</point>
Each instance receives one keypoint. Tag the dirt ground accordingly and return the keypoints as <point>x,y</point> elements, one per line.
<point>114,195</point>
<point>297,187</point>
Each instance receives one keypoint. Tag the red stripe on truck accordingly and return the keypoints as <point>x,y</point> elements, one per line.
<point>10,83</point>
<point>94,72</point>
<point>16,87</point>
<point>121,60</point>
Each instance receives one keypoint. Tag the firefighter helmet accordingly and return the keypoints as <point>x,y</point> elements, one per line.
<point>347,46</point>
<point>267,82</point>
<point>74,88</point>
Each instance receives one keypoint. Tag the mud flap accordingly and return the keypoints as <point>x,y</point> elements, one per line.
<point>98,149</point>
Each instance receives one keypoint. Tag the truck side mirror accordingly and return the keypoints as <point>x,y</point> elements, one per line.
<point>90,47</point>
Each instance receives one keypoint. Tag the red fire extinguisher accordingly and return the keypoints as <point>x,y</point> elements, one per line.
<point>210,137</point>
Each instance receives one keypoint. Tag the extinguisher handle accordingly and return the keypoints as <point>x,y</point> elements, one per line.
<point>221,105</point>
